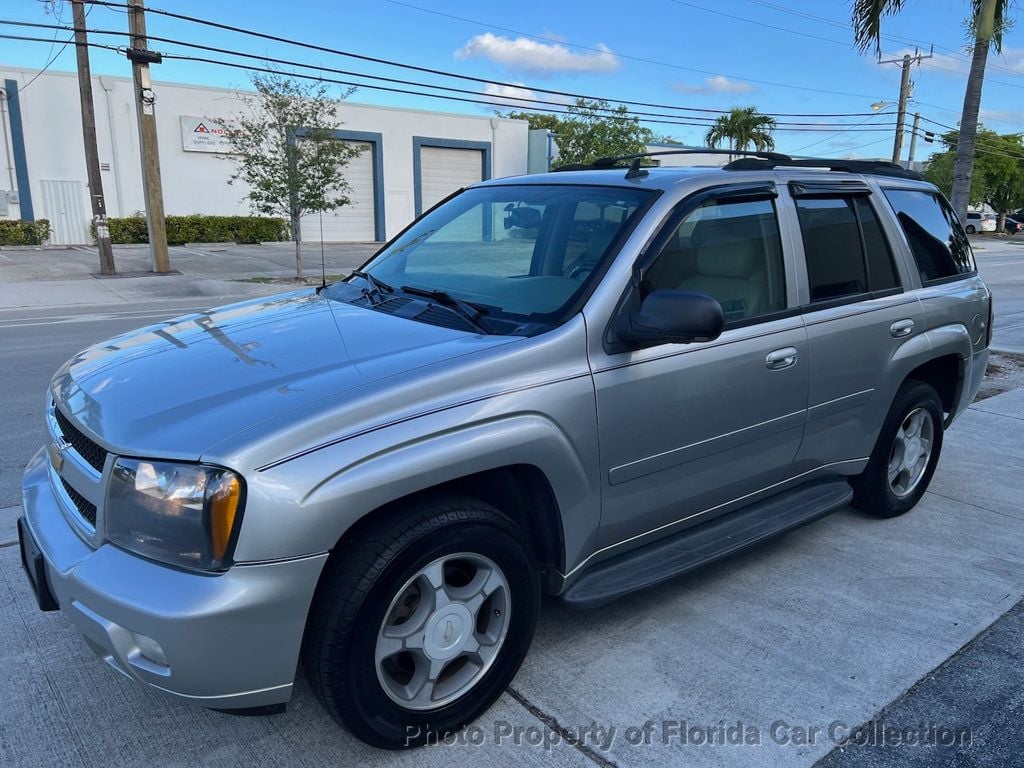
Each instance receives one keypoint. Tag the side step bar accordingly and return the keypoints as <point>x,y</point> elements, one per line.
<point>707,542</point>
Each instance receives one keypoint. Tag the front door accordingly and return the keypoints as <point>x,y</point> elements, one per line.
<point>685,429</point>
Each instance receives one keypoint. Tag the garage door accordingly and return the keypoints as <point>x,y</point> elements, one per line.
<point>444,170</point>
<point>355,222</point>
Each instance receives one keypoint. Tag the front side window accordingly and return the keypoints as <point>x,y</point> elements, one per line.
<point>939,245</point>
<point>519,253</point>
<point>844,247</point>
<point>730,251</point>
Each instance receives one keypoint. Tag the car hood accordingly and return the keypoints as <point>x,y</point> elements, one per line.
<point>175,388</point>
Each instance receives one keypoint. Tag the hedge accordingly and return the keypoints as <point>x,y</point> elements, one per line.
<point>201,229</point>
<point>24,232</point>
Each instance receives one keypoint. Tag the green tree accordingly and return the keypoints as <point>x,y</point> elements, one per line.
<point>998,175</point>
<point>743,127</point>
<point>285,153</point>
<point>987,21</point>
<point>535,119</point>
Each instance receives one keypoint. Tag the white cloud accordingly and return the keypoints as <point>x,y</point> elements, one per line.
<point>715,84</point>
<point>526,55</point>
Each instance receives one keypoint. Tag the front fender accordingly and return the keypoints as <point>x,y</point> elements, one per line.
<point>304,506</point>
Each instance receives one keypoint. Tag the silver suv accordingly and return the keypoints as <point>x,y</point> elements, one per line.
<point>577,383</point>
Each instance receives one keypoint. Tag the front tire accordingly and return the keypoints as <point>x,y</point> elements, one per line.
<point>969,229</point>
<point>421,621</point>
<point>905,454</point>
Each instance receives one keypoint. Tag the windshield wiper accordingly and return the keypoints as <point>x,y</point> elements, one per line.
<point>377,287</point>
<point>465,309</point>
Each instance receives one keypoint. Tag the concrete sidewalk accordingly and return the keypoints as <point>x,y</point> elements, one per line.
<point>47,277</point>
<point>820,629</point>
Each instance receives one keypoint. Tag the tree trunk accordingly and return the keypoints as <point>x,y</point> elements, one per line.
<point>297,235</point>
<point>1001,221</point>
<point>964,166</point>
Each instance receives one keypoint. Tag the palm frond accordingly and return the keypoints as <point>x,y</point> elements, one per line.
<point>867,18</point>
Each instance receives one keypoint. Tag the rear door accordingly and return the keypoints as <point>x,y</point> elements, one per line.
<point>856,312</point>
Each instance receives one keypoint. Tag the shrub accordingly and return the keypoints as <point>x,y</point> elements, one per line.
<point>24,232</point>
<point>197,228</point>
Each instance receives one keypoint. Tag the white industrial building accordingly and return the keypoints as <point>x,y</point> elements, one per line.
<point>411,160</point>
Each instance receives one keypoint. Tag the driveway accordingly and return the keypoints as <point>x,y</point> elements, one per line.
<point>785,647</point>
<point>804,637</point>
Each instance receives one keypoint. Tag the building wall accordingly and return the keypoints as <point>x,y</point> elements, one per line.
<point>197,182</point>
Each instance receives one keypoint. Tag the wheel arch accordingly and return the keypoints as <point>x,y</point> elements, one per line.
<point>939,357</point>
<point>520,491</point>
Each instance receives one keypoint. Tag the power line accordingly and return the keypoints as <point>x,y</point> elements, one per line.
<point>313,46</point>
<point>953,53</point>
<point>526,101</point>
<point>761,24</point>
<point>58,13</point>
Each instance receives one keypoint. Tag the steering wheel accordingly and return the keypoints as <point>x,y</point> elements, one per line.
<point>581,271</point>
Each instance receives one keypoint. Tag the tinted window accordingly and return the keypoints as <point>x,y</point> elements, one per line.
<point>881,272</point>
<point>938,243</point>
<point>730,251</point>
<point>839,262</point>
<point>835,262</point>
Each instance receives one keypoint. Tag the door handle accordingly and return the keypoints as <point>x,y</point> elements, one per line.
<point>901,328</point>
<point>781,358</point>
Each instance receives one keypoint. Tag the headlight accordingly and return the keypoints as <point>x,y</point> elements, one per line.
<point>182,514</point>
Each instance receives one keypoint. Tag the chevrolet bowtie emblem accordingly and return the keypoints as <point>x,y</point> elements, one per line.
<point>56,453</point>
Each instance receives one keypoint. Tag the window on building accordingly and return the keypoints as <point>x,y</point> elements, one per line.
<point>937,241</point>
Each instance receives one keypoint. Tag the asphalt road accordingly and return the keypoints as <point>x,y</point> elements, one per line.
<point>831,624</point>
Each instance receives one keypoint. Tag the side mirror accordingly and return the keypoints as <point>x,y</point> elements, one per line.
<point>672,316</point>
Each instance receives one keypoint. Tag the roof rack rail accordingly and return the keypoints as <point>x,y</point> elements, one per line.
<point>748,161</point>
<point>636,169</point>
<point>876,167</point>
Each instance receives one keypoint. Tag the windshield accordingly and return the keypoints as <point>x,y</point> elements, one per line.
<point>522,254</point>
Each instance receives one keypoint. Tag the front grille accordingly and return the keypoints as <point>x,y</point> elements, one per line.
<point>85,507</point>
<point>93,454</point>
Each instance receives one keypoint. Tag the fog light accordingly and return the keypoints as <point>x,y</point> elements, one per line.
<point>150,648</point>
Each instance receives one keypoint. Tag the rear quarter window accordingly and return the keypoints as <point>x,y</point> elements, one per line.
<point>940,247</point>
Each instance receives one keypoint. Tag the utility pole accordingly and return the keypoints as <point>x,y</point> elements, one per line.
<point>92,159</point>
<point>913,136</point>
<point>141,57</point>
<point>901,119</point>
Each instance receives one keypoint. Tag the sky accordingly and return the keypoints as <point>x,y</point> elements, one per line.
<point>781,56</point>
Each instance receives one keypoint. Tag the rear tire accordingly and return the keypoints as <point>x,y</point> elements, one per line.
<point>905,454</point>
<point>458,583</point>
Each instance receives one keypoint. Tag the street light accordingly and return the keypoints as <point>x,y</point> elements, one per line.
<point>880,105</point>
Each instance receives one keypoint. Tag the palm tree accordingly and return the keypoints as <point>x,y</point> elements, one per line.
<point>742,127</point>
<point>988,20</point>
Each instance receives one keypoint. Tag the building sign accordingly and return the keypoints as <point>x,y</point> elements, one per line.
<point>203,134</point>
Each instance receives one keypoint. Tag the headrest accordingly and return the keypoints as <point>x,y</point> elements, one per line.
<point>723,250</point>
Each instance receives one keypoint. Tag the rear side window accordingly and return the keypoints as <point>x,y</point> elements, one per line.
<point>938,243</point>
<point>846,252</point>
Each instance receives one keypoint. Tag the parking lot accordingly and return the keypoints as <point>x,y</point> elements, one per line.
<point>791,645</point>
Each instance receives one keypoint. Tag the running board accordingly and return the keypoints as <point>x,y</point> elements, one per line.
<point>707,542</point>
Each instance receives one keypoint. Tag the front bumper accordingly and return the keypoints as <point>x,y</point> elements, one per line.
<point>229,640</point>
